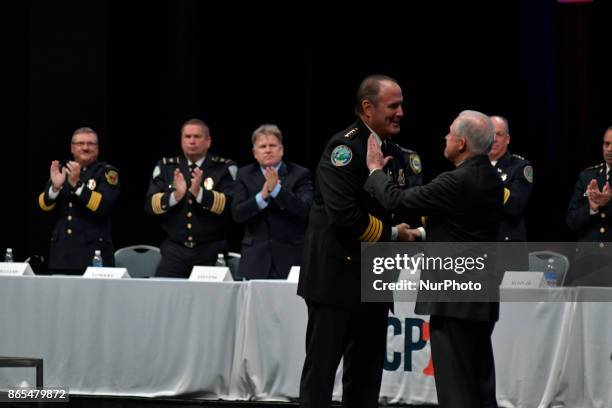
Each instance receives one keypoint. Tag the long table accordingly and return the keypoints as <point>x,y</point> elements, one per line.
<point>245,340</point>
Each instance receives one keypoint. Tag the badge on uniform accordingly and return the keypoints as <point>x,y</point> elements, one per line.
<point>209,183</point>
<point>91,184</point>
<point>415,163</point>
<point>341,156</point>
<point>528,173</point>
<point>401,177</point>
<point>112,177</point>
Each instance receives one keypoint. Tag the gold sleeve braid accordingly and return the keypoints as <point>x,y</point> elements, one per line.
<point>506,195</point>
<point>43,205</point>
<point>156,203</point>
<point>219,201</point>
<point>94,201</point>
<point>374,230</point>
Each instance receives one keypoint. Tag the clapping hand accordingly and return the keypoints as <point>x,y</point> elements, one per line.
<point>58,176</point>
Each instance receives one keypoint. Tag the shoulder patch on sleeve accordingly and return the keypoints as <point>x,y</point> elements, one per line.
<point>156,172</point>
<point>415,163</point>
<point>341,155</point>
<point>233,170</point>
<point>112,177</point>
<point>528,173</point>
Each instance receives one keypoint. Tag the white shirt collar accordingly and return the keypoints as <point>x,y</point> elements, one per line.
<point>378,139</point>
<point>198,163</point>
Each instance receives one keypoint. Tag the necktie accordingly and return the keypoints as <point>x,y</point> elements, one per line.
<point>192,167</point>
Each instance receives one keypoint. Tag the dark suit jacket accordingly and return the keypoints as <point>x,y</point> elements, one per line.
<point>274,235</point>
<point>462,205</point>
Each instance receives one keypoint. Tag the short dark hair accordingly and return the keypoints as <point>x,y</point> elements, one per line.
<point>198,122</point>
<point>369,89</point>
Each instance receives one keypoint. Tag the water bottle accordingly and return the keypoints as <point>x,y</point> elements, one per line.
<point>97,259</point>
<point>551,274</point>
<point>220,260</point>
<point>8,257</point>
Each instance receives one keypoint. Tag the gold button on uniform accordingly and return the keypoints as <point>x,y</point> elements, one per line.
<point>190,238</point>
<point>190,202</point>
<point>603,215</point>
<point>348,258</point>
<point>69,231</point>
<point>602,230</point>
<point>70,218</point>
<point>70,204</point>
<point>188,226</point>
<point>189,214</point>
<point>601,244</point>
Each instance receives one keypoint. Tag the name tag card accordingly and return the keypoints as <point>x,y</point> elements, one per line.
<point>523,280</point>
<point>15,269</point>
<point>211,274</point>
<point>106,273</point>
<point>294,274</point>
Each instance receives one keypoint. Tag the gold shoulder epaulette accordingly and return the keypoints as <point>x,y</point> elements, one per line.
<point>518,157</point>
<point>351,133</point>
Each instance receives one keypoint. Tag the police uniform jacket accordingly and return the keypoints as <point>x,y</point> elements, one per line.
<point>517,175</point>
<point>589,227</point>
<point>188,222</point>
<point>462,205</point>
<point>274,235</point>
<point>342,216</point>
<point>83,221</point>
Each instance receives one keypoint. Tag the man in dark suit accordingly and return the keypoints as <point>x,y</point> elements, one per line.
<point>273,198</point>
<point>517,175</point>
<point>190,195</point>
<point>588,215</point>
<point>341,218</point>
<point>82,194</point>
<point>462,205</point>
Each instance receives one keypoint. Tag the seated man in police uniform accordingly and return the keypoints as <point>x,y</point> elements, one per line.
<point>588,216</point>
<point>190,194</point>
<point>272,198</point>
<point>81,193</point>
<point>517,175</point>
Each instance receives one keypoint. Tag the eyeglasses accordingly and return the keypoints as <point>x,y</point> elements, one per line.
<point>83,144</point>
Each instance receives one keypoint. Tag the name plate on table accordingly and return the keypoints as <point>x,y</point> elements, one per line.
<point>294,274</point>
<point>211,274</point>
<point>106,273</point>
<point>523,280</point>
<point>15,269</point>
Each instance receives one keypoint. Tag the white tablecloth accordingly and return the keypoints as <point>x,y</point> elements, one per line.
<point>156,337</point>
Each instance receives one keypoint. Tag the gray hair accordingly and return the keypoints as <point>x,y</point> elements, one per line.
<point>84,130</point>
<point>477,130</point>
<point>369,89</point>
<point>504,120</point>
<point>267,129</point>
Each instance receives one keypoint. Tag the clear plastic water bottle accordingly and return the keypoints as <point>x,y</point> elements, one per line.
<point>220,260</point>
<point>8,256</point>
<point>551,274</point>
<point>97,259</point>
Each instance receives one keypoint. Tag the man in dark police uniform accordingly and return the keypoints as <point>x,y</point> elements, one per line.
<point>82,193</point>
<point>342,216</point>
<point>191,194</point>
